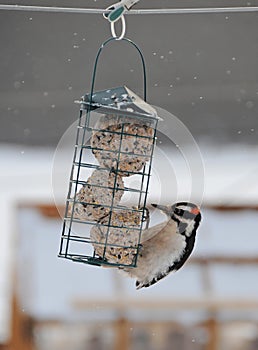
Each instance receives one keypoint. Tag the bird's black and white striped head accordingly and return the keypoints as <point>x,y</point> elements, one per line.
<point>187,215</point>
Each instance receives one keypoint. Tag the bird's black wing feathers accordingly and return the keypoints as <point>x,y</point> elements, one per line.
<point>154,280</point>
<point>177,264</point>
<point>189,248</point>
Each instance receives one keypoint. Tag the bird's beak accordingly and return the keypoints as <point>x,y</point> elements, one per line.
<point>165,208</point>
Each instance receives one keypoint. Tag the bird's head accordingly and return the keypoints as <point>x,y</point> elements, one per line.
<point>187,215</point>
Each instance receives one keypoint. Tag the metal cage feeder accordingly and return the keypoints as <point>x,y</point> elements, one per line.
<point>106,203</point>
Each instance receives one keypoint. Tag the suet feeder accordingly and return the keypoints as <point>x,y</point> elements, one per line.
<point>106,203</point>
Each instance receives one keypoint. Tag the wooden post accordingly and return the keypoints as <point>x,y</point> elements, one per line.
<point>212,326</point>
<point>122,334</point>
<point>21,330</point>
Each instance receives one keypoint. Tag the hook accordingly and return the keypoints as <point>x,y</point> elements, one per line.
<point>116,11</point>
<point>113,31</point>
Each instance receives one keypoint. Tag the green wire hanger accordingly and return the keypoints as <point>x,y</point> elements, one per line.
<point>130,42</point>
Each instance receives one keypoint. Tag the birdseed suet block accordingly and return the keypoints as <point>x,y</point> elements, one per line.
<point>115,140</point>
<point>94,199</point>
<point>125,154</point>
<point>115,237</point>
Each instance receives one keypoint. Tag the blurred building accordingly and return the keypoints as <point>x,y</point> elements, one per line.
<point>69,305</point>
<point>202,69</point>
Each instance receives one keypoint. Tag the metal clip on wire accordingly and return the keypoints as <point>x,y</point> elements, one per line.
<point>116,12</point>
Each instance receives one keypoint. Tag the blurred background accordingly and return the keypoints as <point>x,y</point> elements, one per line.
<point>202,68</point>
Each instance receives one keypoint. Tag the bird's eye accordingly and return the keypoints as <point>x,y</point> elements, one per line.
<point>179,212</point>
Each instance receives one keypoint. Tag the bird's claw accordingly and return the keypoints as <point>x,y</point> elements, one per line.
<point>146,214</point>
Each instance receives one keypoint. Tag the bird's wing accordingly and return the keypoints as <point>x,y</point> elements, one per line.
<point>152,231</point>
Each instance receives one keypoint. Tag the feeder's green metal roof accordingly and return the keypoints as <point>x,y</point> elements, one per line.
<point>119,100</point>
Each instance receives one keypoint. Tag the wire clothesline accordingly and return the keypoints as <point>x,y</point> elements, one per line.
<point>132,12</point>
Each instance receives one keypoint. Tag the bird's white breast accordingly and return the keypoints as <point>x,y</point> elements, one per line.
<point>159,253</point>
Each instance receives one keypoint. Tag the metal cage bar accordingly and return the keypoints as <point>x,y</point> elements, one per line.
<point>78,224</point>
